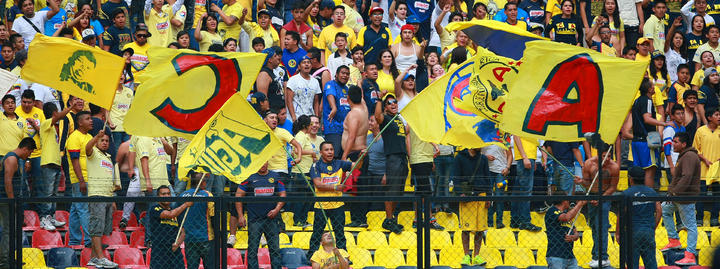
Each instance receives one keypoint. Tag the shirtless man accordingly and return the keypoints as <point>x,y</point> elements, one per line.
<point>122,161</point>
<point>355,126</point>
<point>609,180</point>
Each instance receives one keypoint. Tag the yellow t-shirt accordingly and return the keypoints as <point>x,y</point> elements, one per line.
<point>707,143</point>
<point>386,82</point>
<point>640,58</point>
<point>326,40</point>
<point>353,19</point>
<point>326,259</point>
<point>447,38</point>
<point>530,147</point>
<point>200,9</point>
<point>493,7</point>
<point>227,31</point>
<point>159,26</point>
<point>255,30</point>
<point>553,6</point>
<point>209,39</point>
<point>422,152</point>
<point>278,162</point>
<point>180,16</point>
<point>153,149</point>
<point>308,144</point>
<point>38,117</point>
<point>139,60</point>
<point>699,76</point>
<point>355,76</point>
<point>50,141</point>
<point>120,107</point>
<point>522,25</point>
<point>12,132</point>
<point>662,85</point>
<point>75,147</point>
<point>100,174</point>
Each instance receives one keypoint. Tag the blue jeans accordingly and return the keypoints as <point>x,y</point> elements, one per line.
<point>216,185</point>
<point>563,180</point>
<point>687,215</point>
<point>560,263</point>
<point>643,246</point>
<point>193,42</point>
<point>46,186</point>
<point>181,186</point>
<point>338,227</point>
<point>78,218</point>
<point>597,233</point>
<point>298,185</point>
<point>714,208</point>
<point>497,207</point>
<point>256,228</point>
<point>197,250</point>
<point>443,172</point>
<point>520,211</point>
<point>118,138</point>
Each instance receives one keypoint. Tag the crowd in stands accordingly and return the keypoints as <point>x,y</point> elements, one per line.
<point>336,74</point>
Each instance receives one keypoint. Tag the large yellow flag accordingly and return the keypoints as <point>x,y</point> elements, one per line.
<point>564,91</point>
<point>182,89</point>
<point>462,107</point>
<point>74,68</point>
<point>235,143</point>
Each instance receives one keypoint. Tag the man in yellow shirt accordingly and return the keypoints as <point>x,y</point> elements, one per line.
<point>326,41</point>
<point>707,143</point>
<point>120,107</point>
<point>11,125</point>
<point>50,163</point>
<point>262,28</point>
<point>278,162</point>
<point>33,117</point>
<point>643,50</point>
<point>655,26</point>
<point>139,59</point>
<point>353,19</point>
<point>78,175</point>
<point>158,17</point>
<point>525,155</point>
<point>329,256</point>
<point>231,17</point>
<point>150,156</point>
<point>511,11</point>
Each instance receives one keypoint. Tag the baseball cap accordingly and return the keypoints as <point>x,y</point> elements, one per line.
<point>412,19</point>
<point>709,71</point>
<point>130,50</point>
<point>327,4</point>
<point>636,172</point>
<point>88,33</point>
<point>388,95</point>
<point>142,27</point>
<point>257,97</point>
<point>408,76</point>
<point>656,54</point>
<point>643,40</point>
<point>407,27</point>
<point>373,9</point>
<point>534,25</point>
<point>264,11</point>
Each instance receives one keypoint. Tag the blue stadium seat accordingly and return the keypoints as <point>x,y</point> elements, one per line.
<point>440,267</point>
<point>406,267</point>
<point>505,267</point>
<point>537,267</point>
<point>59,258</point>
<point>293,258</point>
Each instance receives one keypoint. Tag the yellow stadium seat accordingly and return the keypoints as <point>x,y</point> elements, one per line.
<point>451,256</point>
<point>702,239</point>
<point>583,256</point>
<point>506,218</point>
<point>285,241</point>
<point>622,181</point>
<point>705,256</point>
<point>389,257</point>
<point>406,218</point>
<point>405,240</point>
<point>612,218</point>
<point>33,258</point>
<point>541,259</point>
<point>614,253</point>
<point>360,257</point>
<point>587,240</point>
<point>439,239</point>
<point>311,217</point>
<point>287,218</point>
<point>659,258</point>
<point>375,220</point>
<point>537,219</point>
<point>500,238</point>
<point>661,238</point>
<point>533,240</point>
<point>457,240</point>
<point>301,240</point>
<point>241,240</point>
<point>715,236</point>
<point>519,257</point>
<point>581,223</point>
<point>350,238</point>
<point>491,256</point>
<point>448,220</point>
<point>412,257</point>
<point>371,240</point>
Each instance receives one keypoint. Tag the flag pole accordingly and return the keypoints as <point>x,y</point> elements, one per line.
<point>587,192</point>
<point>362,155</point>
<point>188,209</point>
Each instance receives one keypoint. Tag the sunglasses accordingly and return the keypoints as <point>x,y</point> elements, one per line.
<point>391,102</point>
<point>142,36</point>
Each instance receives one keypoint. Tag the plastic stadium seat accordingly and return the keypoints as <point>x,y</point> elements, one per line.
<point>500,238</point>
<point>287,218</point>
<point>519,257</point>
<point>537,267</point>
<point>263,258</point>
<point>235,259</point>
<point>371,240</point>
<point>64,216</point>
<point>31,221</point>
<point>705,256</point>
<point>389,257</point>
<point>375,220</point>
<point>439,239</point>
<point>538,219</point>
<point>301,240</point>
<point>702,239</point>
<point>82,239</point>
<point>533,240</point>
<point>412,257</point>
<point>132,222</point>
<point>284,240</point>
<point>506,267</point>
<point>241,240</point>
<point>360,257</point>
<point>406,218</point>
<point>541,259</point>
<point>405,240</point>
<point>581,223</point>
<point>583,256</point>
<point>137,239</point>
<point>448,220</point>
<point>45,240</point>
<point>33,258</point>
<point>115,240</point>
<point>350,239</point>
<point>715,238</point>
<point>660,258</point>
<point>457,240</point>
<point>62,257</point>
<point>85,256</point>
<point>293,258</point>
<point>492,257</point>
<point>130,257</point>
<point>451,256</point>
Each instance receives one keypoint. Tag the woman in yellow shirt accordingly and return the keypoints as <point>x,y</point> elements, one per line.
<point>658,74</point>
<point>207,34</point>
<point>388,73</point>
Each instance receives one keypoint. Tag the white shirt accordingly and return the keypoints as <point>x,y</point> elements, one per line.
<point>673,59</point>
<point>304,94</point>
<point>22,27</point>
<point>434,37</point>
<point>688,14</point>
<point>46,94</point>
<point>628,12</point>
<point>395,26</point>
<point>385,5</point>
<point>500,161</point>
<point>335,60</point>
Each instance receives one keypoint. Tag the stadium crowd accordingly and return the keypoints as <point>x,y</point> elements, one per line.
<point>336,74</point>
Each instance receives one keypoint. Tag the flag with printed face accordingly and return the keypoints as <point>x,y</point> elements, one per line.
<point>235,143</point>
<point>182,89</point>
<point>75,68</point>
<point>564,91</point>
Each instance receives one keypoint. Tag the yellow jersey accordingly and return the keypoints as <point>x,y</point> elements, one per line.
<point>209,39</point>
<point>120,107</point>
<point>159,26</point>
<point>139,60</point>
<point>153,149</point>
<point>51,143</point>
<point>278,162</point>
<point>12,132</point>
<point>529,146</point>
<point>228,31</point>
<point>76,150</point>
<point>101,176</point>
<point>38,117</point>
<point>707,143</point>
<point>326,41</point>
<point>255,30</point>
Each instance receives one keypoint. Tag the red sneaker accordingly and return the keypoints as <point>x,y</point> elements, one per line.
<point>688,260</point>
<point>673,244</point>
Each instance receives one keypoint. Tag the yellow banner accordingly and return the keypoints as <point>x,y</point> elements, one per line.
<point>182,89</point>
<point>74,68</point>
<point>234,143</point>
<point>564,91</point>
<point>462,107</point>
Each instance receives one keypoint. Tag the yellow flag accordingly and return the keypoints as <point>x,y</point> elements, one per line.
<point>234,143</point>
<point>564,91</point>
<point>74,68</point>
<point>456,109</point>
<point>182,89</point>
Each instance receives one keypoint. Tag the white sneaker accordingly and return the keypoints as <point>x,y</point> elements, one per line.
<point>94,262</point>
<point>606,263</point>
<point>55,222</point>
<point>46,224</point>
<point>263,241</point>
<point>231,240</point>
<point>105,263</point>
<point>593,263</point>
